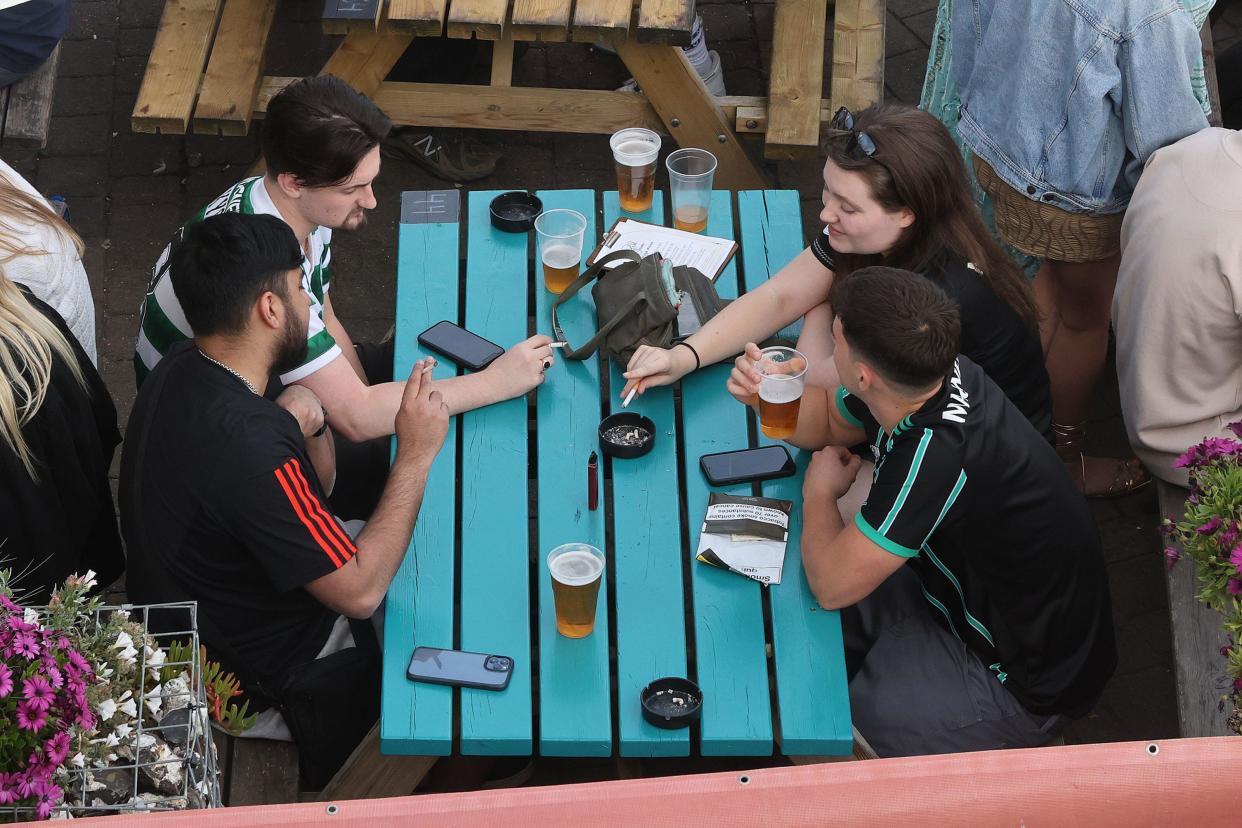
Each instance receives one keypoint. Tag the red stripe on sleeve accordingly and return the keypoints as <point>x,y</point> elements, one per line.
<point>326,523</point>
<point>334,528</point>
<point>297,508</point>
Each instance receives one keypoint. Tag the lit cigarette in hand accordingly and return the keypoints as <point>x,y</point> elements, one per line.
<point>558,344</point>
<point>630,396</point>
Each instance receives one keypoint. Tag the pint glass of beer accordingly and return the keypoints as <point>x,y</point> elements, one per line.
<point>577,569</point>
<point>780,391</point>
<point>690,174</point>
<point>634,151</point>
<point>560,246</point>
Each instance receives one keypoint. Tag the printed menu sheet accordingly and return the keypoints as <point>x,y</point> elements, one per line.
<point>707,254</point>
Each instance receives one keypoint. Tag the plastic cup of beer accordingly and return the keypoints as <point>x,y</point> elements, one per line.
<point>560,246</point>
<point>577,569</point>
<point>635,151</point>
<point>782,371</point>
<point>690,173</point>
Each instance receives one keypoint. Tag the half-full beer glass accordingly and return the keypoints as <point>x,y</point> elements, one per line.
<point>560,246</point>
<point>577,569</point>
<point>635,151</point>
<point>782,373</point>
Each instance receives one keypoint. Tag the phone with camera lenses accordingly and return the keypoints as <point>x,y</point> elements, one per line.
<point>458,668</point>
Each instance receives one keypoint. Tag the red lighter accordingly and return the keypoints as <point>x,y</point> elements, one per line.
<point>592,482</point>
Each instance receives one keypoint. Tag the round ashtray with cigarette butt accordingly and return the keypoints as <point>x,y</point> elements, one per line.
<point>626,435</point>
<point>672,702</point>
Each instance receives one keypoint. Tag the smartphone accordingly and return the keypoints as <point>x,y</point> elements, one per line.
<point>747,465</point>
<point>688,321</point>
<point>458,344</point>
<point>458,668</point>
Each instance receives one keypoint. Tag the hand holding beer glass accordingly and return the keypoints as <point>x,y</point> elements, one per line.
<point>560,235</point>
<point>782,374</point>
<point>690,174</point>
<point>576,570</point>
<point>635,151</point>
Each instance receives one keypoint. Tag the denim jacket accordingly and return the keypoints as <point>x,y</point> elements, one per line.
<point>1066,99</point>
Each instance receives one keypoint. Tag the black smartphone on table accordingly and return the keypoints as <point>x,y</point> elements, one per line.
<point>458,668</point>
<point>458,344</point>
<point>747,465</point>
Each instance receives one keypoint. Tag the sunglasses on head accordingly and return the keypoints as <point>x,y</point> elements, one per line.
<point>843,121</point>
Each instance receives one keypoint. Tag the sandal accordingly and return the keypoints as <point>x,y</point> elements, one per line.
<point>1128,475</point>
<point>464,161</point>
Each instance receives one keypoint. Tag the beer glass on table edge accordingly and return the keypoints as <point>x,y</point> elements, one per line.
<point>690,174</point>
<point>634,151</point>
<point>576,570</point>
<point>783,371</point>
<point>560,234</point>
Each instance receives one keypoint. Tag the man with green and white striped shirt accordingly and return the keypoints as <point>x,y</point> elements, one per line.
<point>974,598</point>
<point>320,143</point>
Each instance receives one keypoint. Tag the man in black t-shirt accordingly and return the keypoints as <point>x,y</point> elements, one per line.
<point>223,492</point>
<point>1000,627</point>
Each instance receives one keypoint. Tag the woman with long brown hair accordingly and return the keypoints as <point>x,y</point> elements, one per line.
<point>895,193</point>
<point>57,437</point>
<point>40,250</point>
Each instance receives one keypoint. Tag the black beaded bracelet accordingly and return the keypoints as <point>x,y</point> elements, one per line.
<point>697,363</point>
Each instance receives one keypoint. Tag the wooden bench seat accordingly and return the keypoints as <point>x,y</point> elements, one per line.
<point>26,106</point>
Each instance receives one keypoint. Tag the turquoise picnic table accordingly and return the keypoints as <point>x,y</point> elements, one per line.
<point>510,485</point>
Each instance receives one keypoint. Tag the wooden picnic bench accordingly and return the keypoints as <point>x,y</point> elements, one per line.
<point>206,70</point>
<point>26,106</point>
<point>509,486</point>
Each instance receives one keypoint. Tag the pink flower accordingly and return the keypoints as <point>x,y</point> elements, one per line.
<point>75,664</point>
<point>57,748</point>
<point>1171,556</point>
<point>33,718</point>
<point>8,789</point>
<point>24,644</point>
<point>9,605</point>
<point>1209,526</point>
<point>25,783</point>
<point>6,680</point>
<point>47,797</point>
<point>38,692</point>
<point>1234,587</point>
<point>1235,557</point>
<point>1229,537</point>
<point>1236,428</point>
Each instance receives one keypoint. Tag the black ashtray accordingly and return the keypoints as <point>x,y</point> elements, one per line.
<point>671,703</point>
<point>626,435</point>
<point>515,212</point>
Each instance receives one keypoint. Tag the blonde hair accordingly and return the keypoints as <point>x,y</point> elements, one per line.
<point>28,339</point>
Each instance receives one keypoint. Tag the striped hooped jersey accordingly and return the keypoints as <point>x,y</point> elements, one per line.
<point>163,321</point>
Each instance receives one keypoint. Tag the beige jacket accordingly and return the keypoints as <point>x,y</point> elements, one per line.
<point>1177,309</point>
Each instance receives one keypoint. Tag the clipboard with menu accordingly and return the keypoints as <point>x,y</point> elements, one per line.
<point>707,254</point>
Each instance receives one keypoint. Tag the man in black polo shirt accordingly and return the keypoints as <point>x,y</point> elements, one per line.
<point>223,492</point>
<point>1000,627</point>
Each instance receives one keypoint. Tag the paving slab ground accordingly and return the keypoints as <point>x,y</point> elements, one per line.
<point>127,194</point>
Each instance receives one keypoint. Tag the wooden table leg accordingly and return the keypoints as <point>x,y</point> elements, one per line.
<point>689,111</point>
<point>368,774</point>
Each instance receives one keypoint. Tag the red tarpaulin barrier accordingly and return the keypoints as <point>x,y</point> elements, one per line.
<point>1191,783</point>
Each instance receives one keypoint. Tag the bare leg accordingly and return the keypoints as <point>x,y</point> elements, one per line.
<point>1075,299</point>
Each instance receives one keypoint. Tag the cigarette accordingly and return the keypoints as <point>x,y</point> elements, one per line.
<point>630,396</point>
<point>429,367</point>
<point>558,344</point>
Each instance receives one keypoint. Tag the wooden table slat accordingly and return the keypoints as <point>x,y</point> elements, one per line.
<point>480,18</point>
<point>422,17</point>
<point>546,19</point>
<point>812,694</point>
<point>175,67</point>
<point>731,662</point>
<point>235,70</point>
<point>593,18</point>
<point>797,76</point>
<point>665,21</point>
<point>495,567</point>
<point>650,606</point>
<point>417,717</point>
<point>574,689</point>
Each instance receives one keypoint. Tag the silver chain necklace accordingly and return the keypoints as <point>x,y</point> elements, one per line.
<point>231,371</point>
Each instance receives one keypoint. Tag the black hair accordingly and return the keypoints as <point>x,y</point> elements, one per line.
<point>902,325</point>
<point>222,265</point>
<point>318,129</point>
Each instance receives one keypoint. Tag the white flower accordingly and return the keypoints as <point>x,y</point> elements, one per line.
<point>122,614</point>
<point>88,580</point>
<point>122,731</point>
<point>127,656</point>
<point>129,709</point>
<point>155,657</point>
<point>154,700</point>
<point>123,641</point>
<point>30,616</point>
<point>106,709</point>
<point>78,760</point>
